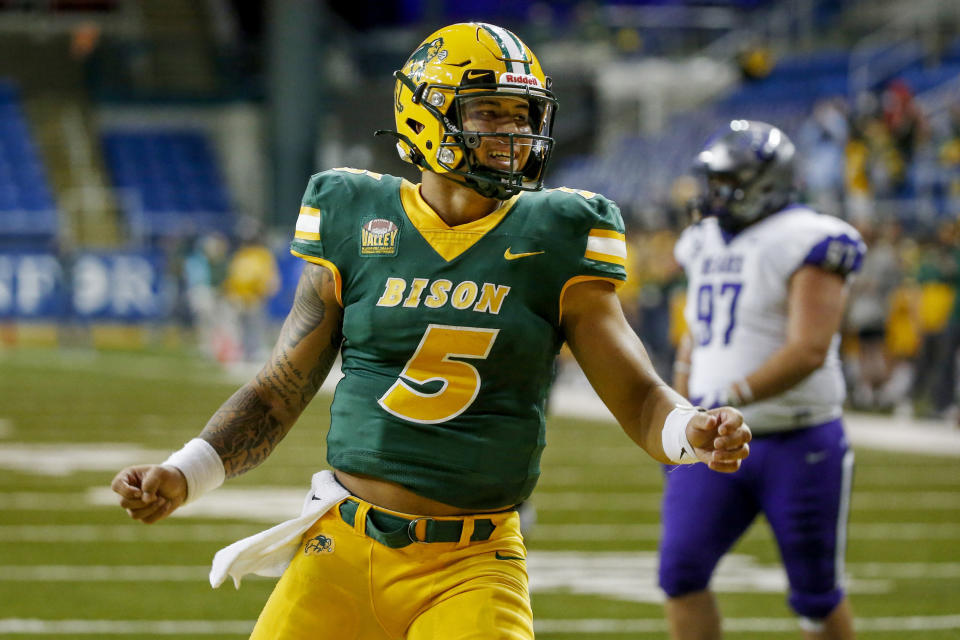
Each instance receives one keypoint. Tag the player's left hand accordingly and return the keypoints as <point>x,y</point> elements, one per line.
<point>720,438</point>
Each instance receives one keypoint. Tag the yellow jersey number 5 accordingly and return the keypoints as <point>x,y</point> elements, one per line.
<point>431,362</point>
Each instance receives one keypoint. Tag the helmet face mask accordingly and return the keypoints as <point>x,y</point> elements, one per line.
<point>749,173</point>
<point>452,67</point>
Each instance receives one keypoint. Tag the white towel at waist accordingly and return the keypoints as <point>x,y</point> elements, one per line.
<point>269,552</point>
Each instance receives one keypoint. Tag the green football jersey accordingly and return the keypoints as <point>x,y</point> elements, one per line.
<point>450,333</point>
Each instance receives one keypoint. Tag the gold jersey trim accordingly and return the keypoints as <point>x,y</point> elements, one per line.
<point>449,242</point>
<point>583,278</point>
<point>337,282</point>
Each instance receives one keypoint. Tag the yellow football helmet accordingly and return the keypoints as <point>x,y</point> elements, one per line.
<point>468,61</point>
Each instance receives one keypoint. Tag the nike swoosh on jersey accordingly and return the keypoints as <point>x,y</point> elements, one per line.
<point>500,557</point>
<point>509,255</point>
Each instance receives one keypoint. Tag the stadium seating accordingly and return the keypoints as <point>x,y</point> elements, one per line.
<point>28,214</point>
<point>640,170</point>
<point>167,182</point>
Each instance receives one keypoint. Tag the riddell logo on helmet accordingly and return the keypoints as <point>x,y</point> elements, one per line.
<point>518,78</point>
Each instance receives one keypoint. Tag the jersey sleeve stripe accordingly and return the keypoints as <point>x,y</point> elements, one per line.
<point>607,233</point>
<point>329,265</point>
<point>606,246</point>
<point>308,224</point>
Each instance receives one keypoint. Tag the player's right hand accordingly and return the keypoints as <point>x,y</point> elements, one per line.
<point>150,492</point>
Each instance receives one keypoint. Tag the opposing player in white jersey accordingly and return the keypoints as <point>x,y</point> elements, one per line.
<point>767,282</point>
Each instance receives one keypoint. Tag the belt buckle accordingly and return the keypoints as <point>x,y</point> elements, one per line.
<point>412,530</point>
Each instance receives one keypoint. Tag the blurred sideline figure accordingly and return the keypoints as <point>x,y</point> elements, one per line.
<point>252,278</point>
<point>205,270</point>
<point>767,284</point>
<point>448,302</point>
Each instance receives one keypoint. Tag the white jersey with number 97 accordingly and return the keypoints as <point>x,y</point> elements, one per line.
<point>736,307</point>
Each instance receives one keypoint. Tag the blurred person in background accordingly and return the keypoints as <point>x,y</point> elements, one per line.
<point>948,155</point>
<point>822,141</point>
<point>868,314</point>
<point>906,125</point>
<point>767,285</point>
<point>252,279</point>
<point>204,271</point>
<point>448,302</point>
<point>938,276</point>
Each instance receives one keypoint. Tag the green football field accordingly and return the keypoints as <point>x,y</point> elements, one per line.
<point>72,565</point>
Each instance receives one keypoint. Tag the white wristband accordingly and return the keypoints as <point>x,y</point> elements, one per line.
<point>201,466</point>
<point>674,436</point>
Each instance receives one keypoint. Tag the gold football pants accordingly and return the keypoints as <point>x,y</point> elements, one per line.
<point>344,585</point>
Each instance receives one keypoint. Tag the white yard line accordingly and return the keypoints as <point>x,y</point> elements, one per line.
<point>651,532</point>
<point>743,625</point>
<point>554,562</point>
<point>890,433</point>
<point>559,501</point>
<point>33,626</point>
<point>134,532</point>
<point>292,496</point>
<point>146,628</point>
<point>103,573</point>
<point>540,532</point>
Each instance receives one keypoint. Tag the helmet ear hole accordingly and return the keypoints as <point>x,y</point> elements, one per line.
<point>416,126</point>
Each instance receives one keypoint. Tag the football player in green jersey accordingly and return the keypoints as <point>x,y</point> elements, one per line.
<point>448,302</point>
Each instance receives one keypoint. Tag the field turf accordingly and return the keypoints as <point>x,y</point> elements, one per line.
<point>72,565</point>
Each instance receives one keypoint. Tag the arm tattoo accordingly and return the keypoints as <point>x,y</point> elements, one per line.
<point>245,430</point>
<point>309,309</point>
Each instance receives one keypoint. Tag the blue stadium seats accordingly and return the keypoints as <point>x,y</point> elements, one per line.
<point>28,213</point>
<point>641,169</point>
<point>168,181</point>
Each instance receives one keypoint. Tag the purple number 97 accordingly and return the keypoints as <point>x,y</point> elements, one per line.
<point>726,298</point>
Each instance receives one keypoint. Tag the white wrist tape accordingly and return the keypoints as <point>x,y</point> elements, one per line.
<point>201,466</point>
<point>674,436</point>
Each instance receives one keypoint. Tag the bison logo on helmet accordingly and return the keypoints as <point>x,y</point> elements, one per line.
<point>319,544</point>
<point>424,54</point>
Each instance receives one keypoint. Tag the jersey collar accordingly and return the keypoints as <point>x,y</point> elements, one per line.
<point>447,241</point>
